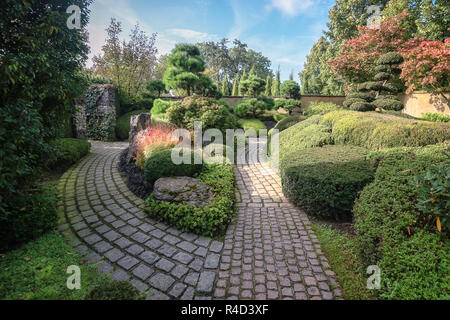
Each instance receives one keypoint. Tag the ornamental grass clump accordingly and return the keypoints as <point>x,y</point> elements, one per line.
<point>152,140</point>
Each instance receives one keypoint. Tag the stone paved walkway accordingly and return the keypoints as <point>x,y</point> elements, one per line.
<point>105,223</point>
<point>269,251</point>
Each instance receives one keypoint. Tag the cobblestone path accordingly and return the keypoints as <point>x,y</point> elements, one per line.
<point>269,251</point>
<point>105,223</point>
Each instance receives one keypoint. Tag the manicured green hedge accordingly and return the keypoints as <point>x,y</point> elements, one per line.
<point>287,122</point>
<point>123,124</point>
<point>436,117</point>
<point>28,215</point>
<point>160,106</point>
<point>255,124</point>
<point>161,165</point>
<point>68,152</point>
<point>325,180</point>
<point>305,134</point>
<point>375,131</point>
<point>392,233</point>
<point>211,220</point>
<point>320,108</point>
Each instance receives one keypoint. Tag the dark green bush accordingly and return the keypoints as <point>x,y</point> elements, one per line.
<point>28,215</point>
<point>362,106</point>
<point>250,108</point>
<point>320,108</point>
<point>392,233</point>
<point>67,152</point>
<point>211,220</point>
<point>366,96</point>
<point>388,104</point>
<point>161,165</point>
<point>287,104</point>
<point>288,122</point>
<point>123,124</point>
<point>325,181</point>
<point>212,113</point>
<point>290,89</point>
<point>269,102</point>
<point>114,290</point>
<point>160,106</point>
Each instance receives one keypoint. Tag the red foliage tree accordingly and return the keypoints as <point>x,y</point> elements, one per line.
<point>357,61</point>
<point>427,66</point>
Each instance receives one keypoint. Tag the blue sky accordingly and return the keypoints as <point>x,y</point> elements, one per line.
<point>283,30</point>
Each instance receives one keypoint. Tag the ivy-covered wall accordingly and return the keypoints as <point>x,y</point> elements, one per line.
<point>97,113</point>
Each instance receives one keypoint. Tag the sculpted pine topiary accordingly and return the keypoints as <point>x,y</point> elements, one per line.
<point>380,93</point>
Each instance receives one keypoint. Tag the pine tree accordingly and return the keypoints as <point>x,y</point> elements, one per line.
<point>225,89</point>
<point>252,71</point>
<point>243,78</point>
<point>268,91</point>
<point>235,91</point>
<point>276,84</point>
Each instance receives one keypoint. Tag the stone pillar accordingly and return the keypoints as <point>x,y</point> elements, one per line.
<point>137,124</point>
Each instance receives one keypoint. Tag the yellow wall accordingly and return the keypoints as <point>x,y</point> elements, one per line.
<point>418,103</point>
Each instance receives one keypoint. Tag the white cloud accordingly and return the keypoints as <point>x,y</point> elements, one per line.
<point>291,7</point>
<point>192,35</point>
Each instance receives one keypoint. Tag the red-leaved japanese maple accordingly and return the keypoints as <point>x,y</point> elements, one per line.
<point>359,55</point>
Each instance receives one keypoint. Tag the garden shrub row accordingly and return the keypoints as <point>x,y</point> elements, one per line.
<point>326,180</point>
<point>210,220</point>
<point>376,131</point>
<point>394,234</point>
<point>67,152</point>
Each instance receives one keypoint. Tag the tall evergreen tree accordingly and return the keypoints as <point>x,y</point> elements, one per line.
<point>235,91</point>
<point>268,91</point>
<point>276,84</point>
<point>243,78</point>
<point>291,75</point>
<point>225,88</point>
<point>252,72</point>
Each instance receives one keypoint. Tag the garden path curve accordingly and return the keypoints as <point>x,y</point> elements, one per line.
<point>269,250</point>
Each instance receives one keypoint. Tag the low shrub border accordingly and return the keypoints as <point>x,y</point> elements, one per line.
<point>211,220</point>
<point>325,181</point>
<point>68,152</point>
<point>394,234</point>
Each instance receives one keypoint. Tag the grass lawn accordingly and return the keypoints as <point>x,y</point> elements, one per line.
<point>342,256</point>
<point>255,124</point>
<point>37,270</point>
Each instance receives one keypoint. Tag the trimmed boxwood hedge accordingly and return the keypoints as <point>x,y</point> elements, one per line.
<point>68,152</point>
<point>392,233</point>
<point>161,165</point>
<point>373,130</point>
<point>325,181</point>
<point>320,108</point>
<point>249,124</point>
<point>123,124</point>
<point>285,123</point>
<point>211,220</point>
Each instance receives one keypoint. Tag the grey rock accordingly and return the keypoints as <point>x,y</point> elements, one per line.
<point>206,282</point>
<point>184,190</point>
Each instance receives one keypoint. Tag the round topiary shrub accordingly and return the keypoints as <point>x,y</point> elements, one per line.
<point>326,180</point>
<point>161,165</point>
<point>160,106</point>
<point>366,96</point>
<point>290,89</point>
<point>113,290</point>
<point>348,102</point>
<point>362,106</point>
<point>388,104</point>
<point>250,108</point>
<point>287,104</point>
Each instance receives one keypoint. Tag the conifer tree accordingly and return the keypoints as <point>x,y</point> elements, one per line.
<point>235,91</point>
<point>225,89</point>
<point>243,78</point>
<point>268,91</point>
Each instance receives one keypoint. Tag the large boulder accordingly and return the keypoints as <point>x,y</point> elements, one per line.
<point>184,190</point>
<point>137,123</point>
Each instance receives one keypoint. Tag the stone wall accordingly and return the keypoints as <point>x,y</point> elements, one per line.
<point>418,103</point>
<point>100,103</point>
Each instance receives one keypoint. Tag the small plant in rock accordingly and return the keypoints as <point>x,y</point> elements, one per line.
<point>152,140</point>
